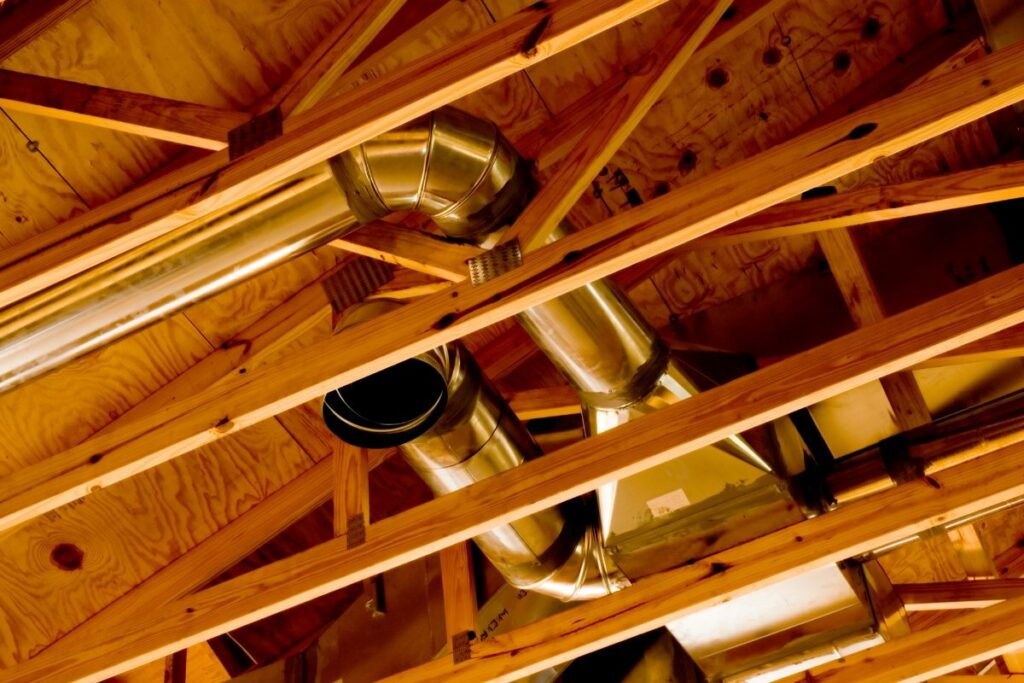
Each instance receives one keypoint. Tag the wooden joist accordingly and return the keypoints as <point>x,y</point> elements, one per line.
<point>214,181</point>
<point>411,249</point>
<point>619,116</point>
<point>128,112</point>
<point>318,73</point>
<point>532,404</point>
<point>973,552</point>
<point>971,637</point>
<point>553,270</point>
<point>985,678</point>
<point>351,492</point>
<point>962,189</point>
<point>550,143</point>
<point>853,529</point>
<point>1008,343</point>
<point>24,21</point>
<point>459,585</point>
<point>662,598</point>
<point>975,594</point>
<point>865,306</point>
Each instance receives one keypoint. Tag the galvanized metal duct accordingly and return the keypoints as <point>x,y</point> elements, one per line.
<point>455,429</point>
<point>160,278</point>
<point>447,419</point>
<point>459,170</point>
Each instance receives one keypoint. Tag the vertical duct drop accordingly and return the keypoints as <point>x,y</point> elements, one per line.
<point>455,429</point>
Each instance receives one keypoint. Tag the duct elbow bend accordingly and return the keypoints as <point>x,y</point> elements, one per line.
<point>452,166</point>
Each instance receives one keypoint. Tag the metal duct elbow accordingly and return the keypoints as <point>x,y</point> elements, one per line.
<point>459,170</point>
<point>455,429</point>
<point>450,165</point>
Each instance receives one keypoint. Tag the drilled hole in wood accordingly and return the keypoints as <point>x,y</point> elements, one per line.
<point>841,62</point>
<point>67,556</point>
<point>687,162</point>
<point>717,78</point>
<point>772,56</point>
<point>872,27</point>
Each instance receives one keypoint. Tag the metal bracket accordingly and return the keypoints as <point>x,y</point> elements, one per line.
<point>352,283</point>
<point>899,464</point>
<point>256,132</point>
<point>497,261</point>
<point>460,646</point>
<point>355,532</point>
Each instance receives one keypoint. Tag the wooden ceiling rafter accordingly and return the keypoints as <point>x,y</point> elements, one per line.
<point>214,181</point>
<point>1008,343</point>
<point>159,118</point>
<point>662,598</point>
<point>549,143</point>
<point>962,189</point>
<point>958,594</point>
<point>539,220</point>
<point>966,489</point>
<point>410,248</point>
<point>351,492</point>
<point>865,305</point>
<point>673,219</point>
<point>22,22</point>
<point>459,587</point>
<point>560,407</point>
<point>332,57</point>
<point>188,123</point>
<point>923,655</point>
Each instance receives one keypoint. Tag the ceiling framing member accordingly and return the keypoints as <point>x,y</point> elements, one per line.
<point>875,351</point>
<point>673,219</point>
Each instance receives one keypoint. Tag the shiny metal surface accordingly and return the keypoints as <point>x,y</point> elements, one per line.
<point>450,165</point>
<point>477,436</point>
<point>460,171</point>
<point>555,552</point>
<point>161,277</point>
<point>778,627</point>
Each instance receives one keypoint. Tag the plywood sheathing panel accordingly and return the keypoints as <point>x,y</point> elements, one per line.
<point>226,53</point>
<point>63,567</point>
<point>130,530</point>
<point>33,196</point>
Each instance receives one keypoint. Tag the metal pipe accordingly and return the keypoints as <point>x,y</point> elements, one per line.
<point>447,419</point>
<point>459,170</point>
<point>160,278</point>
<point>455,429</point>
<point>468,178</point>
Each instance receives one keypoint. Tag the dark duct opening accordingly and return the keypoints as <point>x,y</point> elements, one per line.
<point>388,408</point>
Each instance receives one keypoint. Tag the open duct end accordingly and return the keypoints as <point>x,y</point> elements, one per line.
<point>393,406</point>
<point>388,408</point>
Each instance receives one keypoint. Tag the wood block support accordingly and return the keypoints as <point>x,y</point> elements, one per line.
<point>865,306</point>
<point>460,606</point>
<point>351,493</point>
